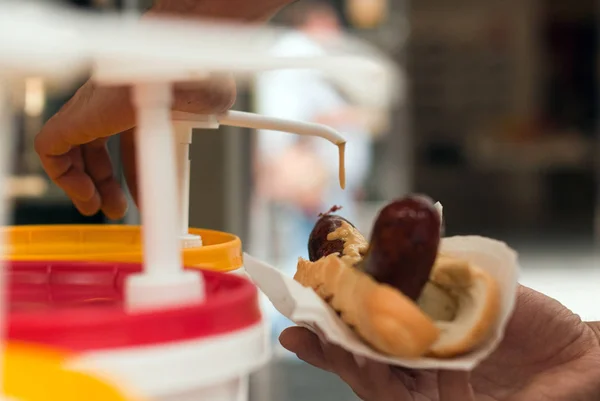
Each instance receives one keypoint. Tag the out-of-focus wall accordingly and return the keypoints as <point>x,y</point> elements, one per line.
<point>501,125</point>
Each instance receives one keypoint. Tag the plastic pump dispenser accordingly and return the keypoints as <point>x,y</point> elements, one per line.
<point>163,139</point>
<point>184,124</point>
<point>152,55</point>
<point>163,282</point>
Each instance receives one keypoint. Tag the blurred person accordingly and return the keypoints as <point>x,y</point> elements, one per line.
<point>547,354</point>
<point>72,144</point>
<point>296,177</point>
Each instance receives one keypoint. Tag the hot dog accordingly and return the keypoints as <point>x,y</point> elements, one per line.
<point>396,290</point>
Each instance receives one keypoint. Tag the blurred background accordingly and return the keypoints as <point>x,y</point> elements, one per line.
<point>498,120</point>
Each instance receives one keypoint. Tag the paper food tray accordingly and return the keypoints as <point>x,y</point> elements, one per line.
<point>305,308</point>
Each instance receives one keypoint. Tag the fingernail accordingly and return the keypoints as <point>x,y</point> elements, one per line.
<point>88,212</point>
<point>118,215</point>
<point>116,208</point>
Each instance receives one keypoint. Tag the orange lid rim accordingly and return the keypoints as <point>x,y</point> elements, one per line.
<point>224,255</point>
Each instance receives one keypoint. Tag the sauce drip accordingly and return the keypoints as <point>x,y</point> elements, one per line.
<point>342,164</point>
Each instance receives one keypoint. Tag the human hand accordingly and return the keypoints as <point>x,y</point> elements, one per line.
<point>72,144</point>
<point>548,354</point>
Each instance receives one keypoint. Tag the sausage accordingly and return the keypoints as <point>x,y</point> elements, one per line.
<point>318,244</point>
<point>404,244</point>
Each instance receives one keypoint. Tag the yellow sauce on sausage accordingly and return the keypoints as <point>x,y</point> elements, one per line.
<point>355,246</point>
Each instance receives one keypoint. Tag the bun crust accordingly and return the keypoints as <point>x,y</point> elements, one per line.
<point>382,316</point>
<point>479,304</point>
<point>392,323</point>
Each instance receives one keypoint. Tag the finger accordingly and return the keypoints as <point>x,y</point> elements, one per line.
<point>305,345</point>
<point>128,162</point>
<point>454,386</point>
<point>68,172</point>
<point>343,364</point>
<point>89,207</point>
<point>99,167</point>
<point>97,112</point>
<point>93,112</point>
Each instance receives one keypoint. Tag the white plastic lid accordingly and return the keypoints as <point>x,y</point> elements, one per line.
<point>39,41</point>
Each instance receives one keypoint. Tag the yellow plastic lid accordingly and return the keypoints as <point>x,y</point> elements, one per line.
<point>115,243</point>
<point>34,373</point>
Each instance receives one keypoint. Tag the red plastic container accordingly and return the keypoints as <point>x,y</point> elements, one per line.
<point>78,306</point>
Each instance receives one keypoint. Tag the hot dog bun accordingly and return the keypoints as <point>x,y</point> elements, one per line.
<point>454,314</point>
<point>478,306</point>
<point>382,316</point>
